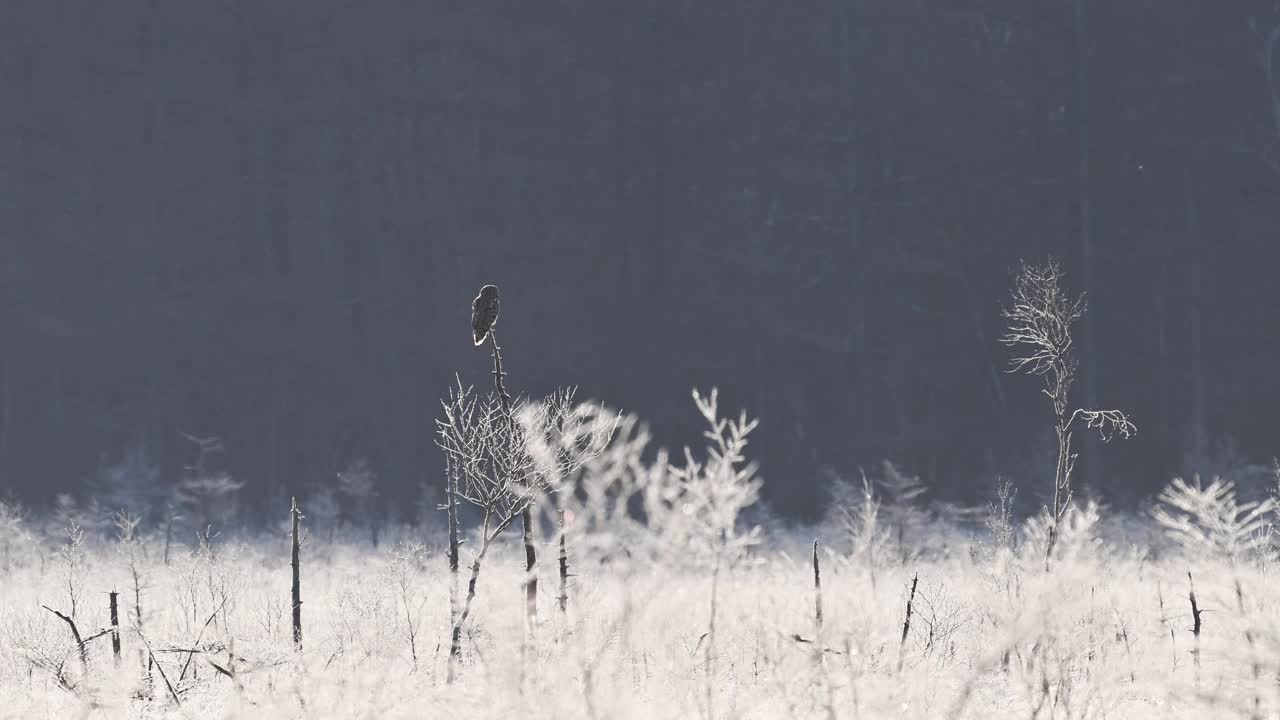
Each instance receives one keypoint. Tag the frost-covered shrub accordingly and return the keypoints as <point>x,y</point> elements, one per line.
<point>698,506</point>
<point>1077,533</point>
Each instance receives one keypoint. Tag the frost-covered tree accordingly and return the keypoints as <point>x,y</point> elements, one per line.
<point>697,507</point>
<point>18,542</point>
<point>999,516</point>
<point>1040,320</point>
<point>503,455</point>
<point>358,489</point>
<point>132,486</point>
<point>901,494</point>
<point>1208,520</point>
<point>601,494</point>
<point>562,442</point>
<point>857,510</point>
<point>324,511</point>
<point>622,503</point>
<point>207,493</point>
<point>70,511</point>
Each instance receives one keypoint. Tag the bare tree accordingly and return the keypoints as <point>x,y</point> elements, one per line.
<point>562,450</point>
<point>999,516</point>
<point>484,316</point>
<point>1040,319</point>
<point>504,460</point>
<point>130,548</point>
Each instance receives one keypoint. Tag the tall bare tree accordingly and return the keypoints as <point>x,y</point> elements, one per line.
<point>1040,319</point>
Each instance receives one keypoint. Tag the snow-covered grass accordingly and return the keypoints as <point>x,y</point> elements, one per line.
<point>1106,633</point>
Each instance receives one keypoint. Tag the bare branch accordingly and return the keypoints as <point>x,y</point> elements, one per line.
<point>1108,423</point>
<point>75,633</point>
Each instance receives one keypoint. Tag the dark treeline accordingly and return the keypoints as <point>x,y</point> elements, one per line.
<point>266,222</point>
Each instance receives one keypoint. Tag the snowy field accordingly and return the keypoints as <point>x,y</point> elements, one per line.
<point>683,599</point>
<point>1105,633</point>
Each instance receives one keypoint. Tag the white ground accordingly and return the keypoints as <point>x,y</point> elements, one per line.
<point>990,637</point>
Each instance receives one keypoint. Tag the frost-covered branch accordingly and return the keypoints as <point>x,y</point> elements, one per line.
<point>1108,423</point>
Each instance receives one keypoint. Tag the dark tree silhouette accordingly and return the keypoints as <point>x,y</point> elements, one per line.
<point>227,248</point>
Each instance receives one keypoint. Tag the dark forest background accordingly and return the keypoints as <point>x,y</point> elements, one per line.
<point>266,222</point>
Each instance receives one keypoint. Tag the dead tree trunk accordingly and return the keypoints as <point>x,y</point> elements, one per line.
<point>1195,624</point>
<point>455,636</point>
<point>451,480</point>
<point>817,592</point>
<point>563,600</point>
<point>906,622</point>
<point>115,625</point>
<point>143,659</point>
<point>530,560</point>
<point>296,516</point>
<point>526,515</point>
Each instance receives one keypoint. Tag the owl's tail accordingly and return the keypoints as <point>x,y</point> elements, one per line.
<point>480,336</point>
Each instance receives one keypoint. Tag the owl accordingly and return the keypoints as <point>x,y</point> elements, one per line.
<point>484,313</point>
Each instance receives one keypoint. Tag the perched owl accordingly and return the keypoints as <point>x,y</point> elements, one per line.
<point>484,313</point>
